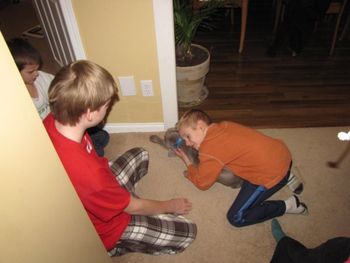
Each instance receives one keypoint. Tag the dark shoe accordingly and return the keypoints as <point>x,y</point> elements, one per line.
<point>294,183</point>
<point>294,206</point>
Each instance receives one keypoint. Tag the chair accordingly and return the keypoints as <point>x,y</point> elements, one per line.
<point>243,4</point>
<point>347,23</point>
<point>231,5</point>
<point>279,7</point>
<point>336,7</point>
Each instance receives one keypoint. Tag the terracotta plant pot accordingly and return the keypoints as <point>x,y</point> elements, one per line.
<point>191,90</point>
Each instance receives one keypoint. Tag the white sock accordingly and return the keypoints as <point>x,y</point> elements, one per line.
<point>294,206</point>
<point>294,183</point>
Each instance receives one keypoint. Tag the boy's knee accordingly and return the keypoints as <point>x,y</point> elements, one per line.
<point>139,151</point>
<point>232,219</point>
<point>144,153</point>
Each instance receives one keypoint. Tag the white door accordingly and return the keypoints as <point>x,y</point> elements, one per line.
<point>60,27</point>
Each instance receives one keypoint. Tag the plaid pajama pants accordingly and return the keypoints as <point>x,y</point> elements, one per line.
<point>156,235</point>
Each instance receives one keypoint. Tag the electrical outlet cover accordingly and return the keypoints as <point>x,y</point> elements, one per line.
<point>147,88</point>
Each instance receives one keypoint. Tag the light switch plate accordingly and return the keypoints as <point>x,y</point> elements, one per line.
<point>127,85</point>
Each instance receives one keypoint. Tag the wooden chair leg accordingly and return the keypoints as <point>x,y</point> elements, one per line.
<point>345,28</point>
<point>232,15</point>
<point>278,13</point>
<point>243,24</point>
<point>335,34</point>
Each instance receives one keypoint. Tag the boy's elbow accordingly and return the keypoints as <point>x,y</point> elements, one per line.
<point>200,184</point>
<point>203,187</point>
<point>134,207</point>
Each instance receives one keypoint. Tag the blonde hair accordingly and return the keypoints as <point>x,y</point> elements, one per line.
<point>191,117</point>
<point>80,86</point>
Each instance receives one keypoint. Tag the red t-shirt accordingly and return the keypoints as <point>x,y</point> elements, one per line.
<point>103,198</point>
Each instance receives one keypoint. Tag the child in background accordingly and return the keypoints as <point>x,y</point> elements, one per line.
<point>262,162</point>
<point>80,96</point>
<point>29,63</point>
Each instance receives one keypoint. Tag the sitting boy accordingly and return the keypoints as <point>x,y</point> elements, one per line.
<point>80,96</point>
<point>262,162</point>
<point>29,63</point>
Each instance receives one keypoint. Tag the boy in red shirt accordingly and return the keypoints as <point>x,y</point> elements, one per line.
<point>262,162</point>
<point>29,62</point>
<point>80,96</point>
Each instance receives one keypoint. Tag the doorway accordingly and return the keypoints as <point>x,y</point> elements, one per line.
<point>11,26</point>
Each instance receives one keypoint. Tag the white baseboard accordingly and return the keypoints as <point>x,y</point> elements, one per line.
<point>134,127</point>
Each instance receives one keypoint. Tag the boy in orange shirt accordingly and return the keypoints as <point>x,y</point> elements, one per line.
<point>262,162</point>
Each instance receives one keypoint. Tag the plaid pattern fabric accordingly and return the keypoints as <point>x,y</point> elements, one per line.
<point>130,167</point>
<point>161,234</point>
<point>156,235</point>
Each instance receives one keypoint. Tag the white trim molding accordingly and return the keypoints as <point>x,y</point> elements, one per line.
<point>134,127</point>
<point>164,27</point>
<point>73,29</point>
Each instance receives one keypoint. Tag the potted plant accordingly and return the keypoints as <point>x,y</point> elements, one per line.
<point>192,61</point>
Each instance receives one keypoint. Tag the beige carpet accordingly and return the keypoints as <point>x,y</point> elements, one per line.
<point>326,194</point>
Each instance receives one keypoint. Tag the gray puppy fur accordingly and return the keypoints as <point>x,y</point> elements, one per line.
<point>169,142</point>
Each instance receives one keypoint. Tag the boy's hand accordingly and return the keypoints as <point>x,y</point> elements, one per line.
<point>179,152</point>
<point>180,206</point>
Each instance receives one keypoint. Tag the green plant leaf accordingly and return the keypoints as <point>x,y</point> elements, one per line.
<point>187,20</point>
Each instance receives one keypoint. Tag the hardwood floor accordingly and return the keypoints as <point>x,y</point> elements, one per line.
<point>309,90</point>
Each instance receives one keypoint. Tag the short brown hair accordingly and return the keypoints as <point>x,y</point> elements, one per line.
<point>80,86</point>
<point>24,53</point>
<point>191,117</point>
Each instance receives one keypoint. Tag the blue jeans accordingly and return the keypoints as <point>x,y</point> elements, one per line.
<point>250,206</point>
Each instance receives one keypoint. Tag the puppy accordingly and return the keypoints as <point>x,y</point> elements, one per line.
<point>173,140</point>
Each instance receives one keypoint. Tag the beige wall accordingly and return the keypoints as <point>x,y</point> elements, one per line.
<point>42,220</point>
<point>120,36</point>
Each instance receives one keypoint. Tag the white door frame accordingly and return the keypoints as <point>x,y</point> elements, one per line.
<point>164,28</point>
<point>72,28</point>
<point>61,30</point>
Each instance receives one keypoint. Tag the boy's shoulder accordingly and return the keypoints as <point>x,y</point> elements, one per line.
<point>228,128</point>
<point>45,74</point>
<point>233,125</point>
<point>225,124</point>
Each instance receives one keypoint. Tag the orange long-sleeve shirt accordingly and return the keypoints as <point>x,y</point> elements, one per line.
<point>249,154</point>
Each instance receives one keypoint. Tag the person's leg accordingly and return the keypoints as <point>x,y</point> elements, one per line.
<point>156,235</point>
<point>245,210</point>
<point>130,167</point>
<point>289,250</point>
<point>250,206</point>
<point>99,138</point>
<point>276,229</point>
<point>295,183</point>
<point>333,250</point>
